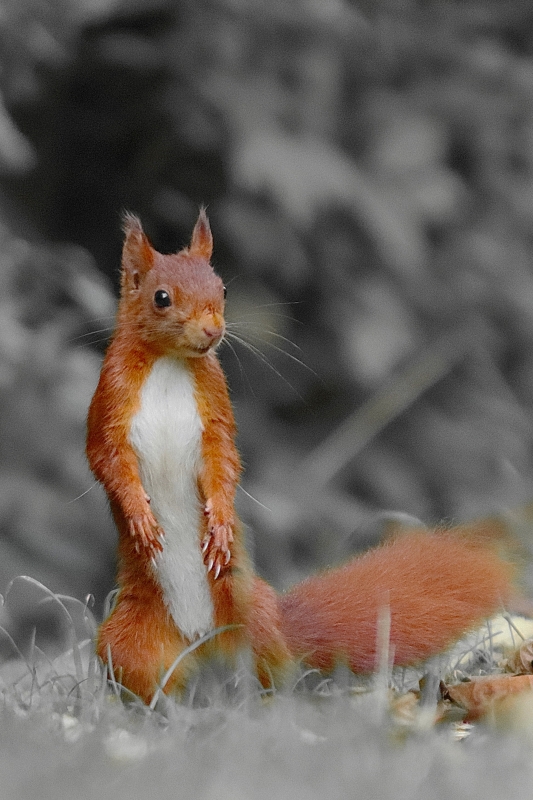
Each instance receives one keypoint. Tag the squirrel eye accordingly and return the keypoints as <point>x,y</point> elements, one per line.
<point>162,299</point>
<point>225,291</point>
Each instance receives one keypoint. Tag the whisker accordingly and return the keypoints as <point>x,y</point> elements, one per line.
<point>109,317</point>
<point>291,356</point>
<point>259,503</point>
<point>250,315</point>
<point>90,343</point>
<point>261,356</point>
<point>75,499</point>
<point>91,333</point>
<point>244,376</point>
<point>264,330</point>
<point>280,303</point>
<point>281,350</point>
<point>277,304</point>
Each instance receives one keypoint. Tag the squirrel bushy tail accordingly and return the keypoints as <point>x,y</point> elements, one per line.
<point>436,587</point>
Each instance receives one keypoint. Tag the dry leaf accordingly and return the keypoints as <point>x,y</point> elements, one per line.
<point>483,694</point>
<point>404,707</point>
<point>521,660</point>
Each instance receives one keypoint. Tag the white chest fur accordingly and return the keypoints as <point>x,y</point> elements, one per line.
<point>166,435</point>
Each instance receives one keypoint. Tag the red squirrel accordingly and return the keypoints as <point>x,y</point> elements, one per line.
<point>161,440</point>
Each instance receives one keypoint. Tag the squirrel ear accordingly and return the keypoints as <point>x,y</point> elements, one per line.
<point>202,238</point>
<point>137,253</point>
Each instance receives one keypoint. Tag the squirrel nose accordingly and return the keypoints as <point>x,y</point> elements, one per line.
<point>212,331</point>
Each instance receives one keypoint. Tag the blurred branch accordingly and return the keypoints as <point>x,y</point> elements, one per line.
<point>400,392</point>
<point>16,152</point>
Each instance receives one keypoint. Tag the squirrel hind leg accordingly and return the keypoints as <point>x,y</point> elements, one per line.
<point>274,663</point>
<point>143,643</point>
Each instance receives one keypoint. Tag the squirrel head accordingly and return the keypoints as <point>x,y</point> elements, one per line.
<point>173,303</point>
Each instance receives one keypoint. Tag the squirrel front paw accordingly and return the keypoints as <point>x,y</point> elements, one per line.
<point>146,533</point>
<point>215,544</point>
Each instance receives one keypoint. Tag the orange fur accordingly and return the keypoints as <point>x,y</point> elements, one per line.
<point>436,586</point>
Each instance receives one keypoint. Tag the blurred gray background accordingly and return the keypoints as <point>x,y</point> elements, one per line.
<point>368,171</point>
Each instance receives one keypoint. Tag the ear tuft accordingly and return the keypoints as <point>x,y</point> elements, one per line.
<point>131,223</point>
<point>202,238</point>
<point>137,253</point>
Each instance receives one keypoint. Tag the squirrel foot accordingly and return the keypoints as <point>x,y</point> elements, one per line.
<point>215,544</point>
<point>147,534</point>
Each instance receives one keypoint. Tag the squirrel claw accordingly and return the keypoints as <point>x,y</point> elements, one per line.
<point>219,535</point>
<point>216,553</point>
<point>147,534</point>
